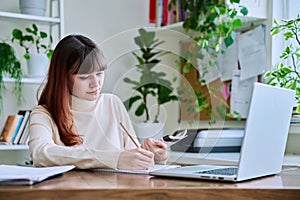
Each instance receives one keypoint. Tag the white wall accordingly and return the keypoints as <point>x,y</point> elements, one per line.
<point>113,25</point>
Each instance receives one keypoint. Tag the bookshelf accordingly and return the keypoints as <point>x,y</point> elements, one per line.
<point>10,17</point>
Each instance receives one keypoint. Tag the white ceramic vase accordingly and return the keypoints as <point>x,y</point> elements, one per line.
<point>149,130</point>
<point>37,65</point>
<point>33,7</point>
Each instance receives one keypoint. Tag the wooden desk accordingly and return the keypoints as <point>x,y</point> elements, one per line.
<point>99,185</point>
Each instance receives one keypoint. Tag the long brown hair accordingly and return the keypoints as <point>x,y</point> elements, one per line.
<point>73,54</point>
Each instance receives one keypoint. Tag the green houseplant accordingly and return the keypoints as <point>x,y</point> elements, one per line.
<point>211,22</point>
<point>151,82</point>
<point>286,73</point>
<point>11,67</point>
<point>37,45</point>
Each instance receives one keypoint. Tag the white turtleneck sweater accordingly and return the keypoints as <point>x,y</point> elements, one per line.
<point>97,122</point>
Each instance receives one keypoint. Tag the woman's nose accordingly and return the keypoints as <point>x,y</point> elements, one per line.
<point>94,82</point>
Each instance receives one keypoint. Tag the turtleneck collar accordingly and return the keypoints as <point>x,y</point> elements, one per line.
<point>82,105</point>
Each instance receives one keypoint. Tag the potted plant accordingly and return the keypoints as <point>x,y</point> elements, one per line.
<point>38,48</point>
<point>286,73</point>
<point>11,67</point>
<point>151,83</point>
<point>211,24</point>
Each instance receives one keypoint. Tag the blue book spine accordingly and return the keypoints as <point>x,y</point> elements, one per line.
<point>17,128</point>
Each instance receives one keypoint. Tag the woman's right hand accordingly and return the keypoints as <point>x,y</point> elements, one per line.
<point>136,159</point>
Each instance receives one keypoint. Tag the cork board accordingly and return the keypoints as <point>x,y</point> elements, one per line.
<point>216,104</point>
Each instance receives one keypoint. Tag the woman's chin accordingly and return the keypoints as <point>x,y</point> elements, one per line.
<point>92,97</point>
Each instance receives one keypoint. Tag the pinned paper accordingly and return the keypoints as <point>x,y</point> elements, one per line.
<point>252,53</point>
<point>207,73</point>
<point>225,91</point>
<point>241,92</point>
<point>228,61</point>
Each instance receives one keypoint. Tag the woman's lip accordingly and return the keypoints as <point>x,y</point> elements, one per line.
<point>94,92</point>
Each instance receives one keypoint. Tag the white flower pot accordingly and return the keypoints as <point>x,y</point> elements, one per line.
<point>37,65</point>
<point>33,7</point>
<point>149,130</point>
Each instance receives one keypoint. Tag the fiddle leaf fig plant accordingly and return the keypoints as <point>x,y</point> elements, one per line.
<point>10,66</point>
<point>286,73</point>
<point>151,82</point>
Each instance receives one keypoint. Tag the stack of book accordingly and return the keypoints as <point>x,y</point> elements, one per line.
<point>161,15</point>
<point>15,130</point>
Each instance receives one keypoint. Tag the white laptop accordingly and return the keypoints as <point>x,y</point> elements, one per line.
<point>263,144</point>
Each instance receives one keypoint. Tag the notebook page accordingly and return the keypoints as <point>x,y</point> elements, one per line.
<point>147,171</point>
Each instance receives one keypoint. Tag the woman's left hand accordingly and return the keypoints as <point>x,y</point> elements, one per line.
<point>159,148</point>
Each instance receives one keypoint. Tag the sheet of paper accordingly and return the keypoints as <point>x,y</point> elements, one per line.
<point>252,52</point>
<point>241,92</point>
<point>228,61</point>
<point>207,73</point>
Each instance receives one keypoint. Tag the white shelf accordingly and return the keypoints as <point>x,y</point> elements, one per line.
<point>10,147</point>
<point>294,127</point>
<point>220,158</point>
<point>27,80</point>
<point>247,22</point>
<point>14,154</point>
<point>176,30</point>
<point>14,16</point>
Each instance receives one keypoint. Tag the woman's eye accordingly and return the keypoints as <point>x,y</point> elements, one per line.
<point>99,73</point>
<point>83,77</point>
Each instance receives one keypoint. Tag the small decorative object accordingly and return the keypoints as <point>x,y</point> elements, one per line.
<point>286,74</point>
<point>152,83</point>
<point>38,51</point>
<point>10,67</point>
<point>33,7</point>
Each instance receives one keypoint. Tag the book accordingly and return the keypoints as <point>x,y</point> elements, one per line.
<point>9,128</point>
<point>128,171</point>
<point>17,128</point>
<point>25,134</point>
<point>28,175</point>
<point>165,12</point>
<point>152,11</point>
<point>25,114</point>
<point>159,13</point>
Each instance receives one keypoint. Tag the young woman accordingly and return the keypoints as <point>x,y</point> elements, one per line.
<point>74,123</point>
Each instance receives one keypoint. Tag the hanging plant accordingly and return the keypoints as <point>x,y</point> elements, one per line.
<point>10,66</point>
<point>211,22</point>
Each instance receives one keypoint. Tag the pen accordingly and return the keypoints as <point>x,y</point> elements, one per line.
<point>129,135</point>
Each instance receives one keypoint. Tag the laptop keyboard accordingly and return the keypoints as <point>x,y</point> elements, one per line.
<point>223,171</point>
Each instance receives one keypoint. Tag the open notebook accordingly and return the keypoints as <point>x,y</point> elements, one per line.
<point>147,171</point>
<point>25,175</point>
